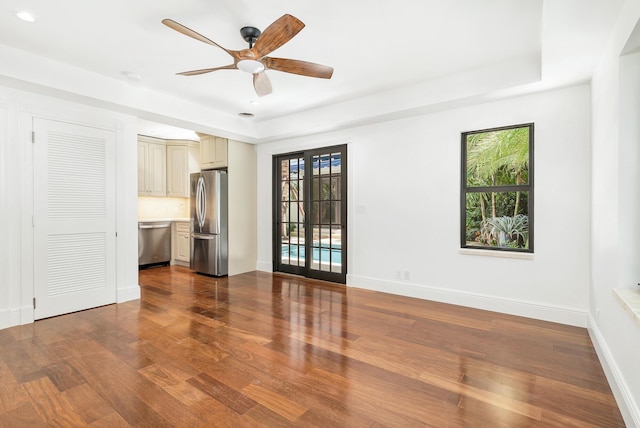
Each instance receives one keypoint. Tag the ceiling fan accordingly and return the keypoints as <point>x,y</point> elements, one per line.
<point>255,60</point>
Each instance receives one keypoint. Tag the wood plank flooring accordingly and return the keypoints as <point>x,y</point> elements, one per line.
<point>273,350</point>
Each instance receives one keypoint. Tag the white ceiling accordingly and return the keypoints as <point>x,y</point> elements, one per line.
<point>390,57</point>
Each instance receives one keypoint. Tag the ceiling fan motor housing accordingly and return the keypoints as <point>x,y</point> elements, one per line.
<point>250,35</point>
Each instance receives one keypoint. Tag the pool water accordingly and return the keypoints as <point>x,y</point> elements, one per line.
<point>318,253</point>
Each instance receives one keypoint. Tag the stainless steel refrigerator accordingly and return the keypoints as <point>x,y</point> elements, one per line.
<point>209,229</point>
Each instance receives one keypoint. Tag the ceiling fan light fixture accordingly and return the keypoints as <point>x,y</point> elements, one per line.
<point>251,66</point>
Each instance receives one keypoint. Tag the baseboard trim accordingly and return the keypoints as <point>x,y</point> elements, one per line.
<point>16,316</point>
<point>126,294</point>
<point>6,318</point>
<point>559,314</point>
<point>628,407</point>
<point>26,315</point>
<point>264,266</point>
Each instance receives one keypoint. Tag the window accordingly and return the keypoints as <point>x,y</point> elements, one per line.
<point>496,202</point>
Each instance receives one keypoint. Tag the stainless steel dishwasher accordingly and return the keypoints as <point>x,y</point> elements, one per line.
<point>154,243</point>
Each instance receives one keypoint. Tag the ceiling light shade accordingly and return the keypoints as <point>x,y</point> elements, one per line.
<point>25,16</point>
<point>251,66</point>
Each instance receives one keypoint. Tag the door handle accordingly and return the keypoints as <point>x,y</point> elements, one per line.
<point>153,226</point>
<point>201,201</point>
<point>201,236</point>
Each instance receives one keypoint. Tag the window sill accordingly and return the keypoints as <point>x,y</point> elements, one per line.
<point>630,300</point>
<point>495,253</point>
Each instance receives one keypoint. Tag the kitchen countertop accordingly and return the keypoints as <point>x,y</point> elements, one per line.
<point>151,220</point>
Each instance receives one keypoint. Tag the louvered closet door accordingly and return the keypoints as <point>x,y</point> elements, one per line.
<point>74,221</point>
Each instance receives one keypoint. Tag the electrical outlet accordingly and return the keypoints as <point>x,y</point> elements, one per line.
<point>406,275</point>
<point>398,274</point>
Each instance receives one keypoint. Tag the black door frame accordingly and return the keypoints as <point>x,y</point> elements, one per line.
<point>306,270</point>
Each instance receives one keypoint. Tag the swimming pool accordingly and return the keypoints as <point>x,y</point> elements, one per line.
<point>319,254</point>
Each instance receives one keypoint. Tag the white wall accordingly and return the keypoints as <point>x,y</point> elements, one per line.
<point>405,176</point>
<point>616,212</point>
<point>17,109</point>
<point>10,162</point>
<point>242,207</point>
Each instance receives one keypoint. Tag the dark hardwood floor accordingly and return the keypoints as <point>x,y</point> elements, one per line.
<point>271,350</point>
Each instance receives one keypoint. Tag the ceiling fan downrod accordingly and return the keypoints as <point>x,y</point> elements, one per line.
<point>250,35</point>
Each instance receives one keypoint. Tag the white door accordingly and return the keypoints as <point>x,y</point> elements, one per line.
<point>74,217</point>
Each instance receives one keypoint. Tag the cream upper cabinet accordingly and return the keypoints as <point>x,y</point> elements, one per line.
<point>183,158</point>
<point>213,151</point>
<point>152,166</point>
<point>143,148</point>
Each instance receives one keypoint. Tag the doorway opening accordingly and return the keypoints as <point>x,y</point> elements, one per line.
<point>310,213</point>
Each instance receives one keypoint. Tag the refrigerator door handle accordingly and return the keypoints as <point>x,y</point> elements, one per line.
<point>200,201</point>
<point>201,236</point>
<point>203,193</point>
<point>197,207</point>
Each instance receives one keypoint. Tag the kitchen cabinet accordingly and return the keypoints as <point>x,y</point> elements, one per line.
<point>181,243</point>
<point>152,166</point>
<point>183,158</point>
<point>213,151</point>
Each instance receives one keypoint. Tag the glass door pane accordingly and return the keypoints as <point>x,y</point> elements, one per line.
<point>291,214</point>
<point>326,206</point>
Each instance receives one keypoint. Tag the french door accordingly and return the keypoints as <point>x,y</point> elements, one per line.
<point>310,213</point>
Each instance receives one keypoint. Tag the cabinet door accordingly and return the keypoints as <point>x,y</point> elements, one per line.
<point>220,156</point>
<point>183,250</point>
<point>157,169</point>
<point>142,169</point>
<point>181,242</point>
<point>213,152</point>
<point>207,147</point>
<point>177,171</point>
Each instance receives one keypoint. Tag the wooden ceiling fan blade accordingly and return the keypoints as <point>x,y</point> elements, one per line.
<point>194,35</point>
<point>207,70</point>
<point>262,84</point>
<point>276,35</point>
<point>303,68</point>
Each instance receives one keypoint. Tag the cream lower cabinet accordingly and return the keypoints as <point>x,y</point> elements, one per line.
<point>181,243</point>
<point>152,167</point>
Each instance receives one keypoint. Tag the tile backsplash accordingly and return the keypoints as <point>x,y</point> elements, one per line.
<point>152,208</point>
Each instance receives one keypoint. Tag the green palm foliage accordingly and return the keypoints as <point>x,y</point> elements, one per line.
<point>497,158</point>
